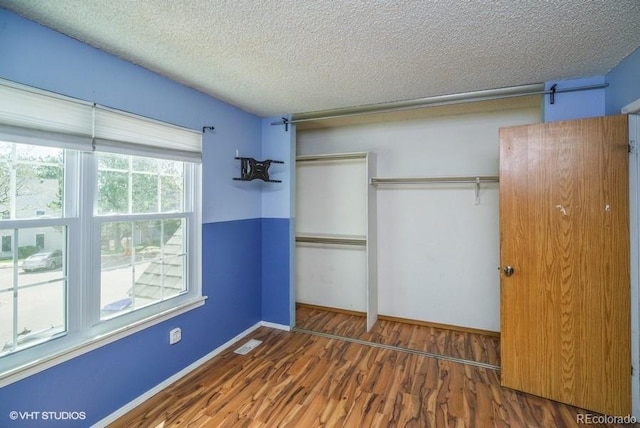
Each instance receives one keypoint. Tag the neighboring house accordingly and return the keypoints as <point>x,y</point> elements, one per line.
<point>34,200</point>
<point>165,277</point>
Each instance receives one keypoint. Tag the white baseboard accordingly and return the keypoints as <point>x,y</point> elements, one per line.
<point>162,385</point>
<point>275,326</point>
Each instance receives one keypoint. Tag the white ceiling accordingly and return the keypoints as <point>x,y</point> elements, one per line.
<point>273,57</point>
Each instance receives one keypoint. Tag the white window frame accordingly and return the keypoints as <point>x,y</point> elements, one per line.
<point>194,286</point>
<point>85,330</point>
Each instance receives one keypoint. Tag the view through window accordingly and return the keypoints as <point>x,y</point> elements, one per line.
<point>130,235</point>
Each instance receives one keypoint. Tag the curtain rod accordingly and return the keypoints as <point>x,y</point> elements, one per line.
<point>439,100</point>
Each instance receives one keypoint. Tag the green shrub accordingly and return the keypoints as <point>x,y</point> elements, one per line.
<point>26,251</point>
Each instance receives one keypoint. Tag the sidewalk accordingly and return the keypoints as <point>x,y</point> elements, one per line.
<point>6,264</point>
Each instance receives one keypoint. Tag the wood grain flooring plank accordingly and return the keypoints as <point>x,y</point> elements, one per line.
<point>297,380</point>
<point>459,344</point>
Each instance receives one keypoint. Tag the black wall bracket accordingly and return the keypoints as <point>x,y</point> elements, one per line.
<point>251,169</point>
<point>552,93</point>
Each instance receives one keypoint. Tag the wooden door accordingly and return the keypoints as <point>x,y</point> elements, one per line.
<point>564,229</point>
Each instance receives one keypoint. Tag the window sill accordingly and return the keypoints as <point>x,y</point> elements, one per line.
<point>37,366</point>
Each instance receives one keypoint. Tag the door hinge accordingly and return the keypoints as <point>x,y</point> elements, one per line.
<point>632,146</point>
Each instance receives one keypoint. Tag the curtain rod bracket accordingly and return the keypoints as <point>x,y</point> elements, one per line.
<point>207,128</point>
<point>284,121</point>
<point>552,94</point>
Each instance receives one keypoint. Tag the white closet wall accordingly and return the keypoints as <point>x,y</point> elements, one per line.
<point>438,251</point>
<point>331,200</point>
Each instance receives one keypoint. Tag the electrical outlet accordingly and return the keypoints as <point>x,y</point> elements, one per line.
<point>174,336</point>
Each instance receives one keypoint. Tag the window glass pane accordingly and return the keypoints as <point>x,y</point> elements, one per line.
<point>174,277</point>
<point>145,193</point>
<point>40,154</point>
<point>147,266</point>
<point>113,192</point>
<point>6,312</point>
<point>116,244</point>
<point>137,185</point>
<point>147,238</point>
<point>145,164</point>
<point>172,195</point>
<point>41,262</point>
<point>38,310</point>
<point>174,168</point>
<point>5,185</point>
<point>116,162</point>
<point>7,246</point>
<point>173,237</point>
<point>40,241</point>
<point>5,150</point>
<point>31,181</point>
<point>41,313</point>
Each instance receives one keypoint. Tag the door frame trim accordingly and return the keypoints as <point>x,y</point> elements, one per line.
<point>634,251</point>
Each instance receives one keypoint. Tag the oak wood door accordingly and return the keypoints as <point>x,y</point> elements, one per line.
<point>564,229</point>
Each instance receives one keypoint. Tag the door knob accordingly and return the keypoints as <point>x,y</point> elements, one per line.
<point>508,270</point>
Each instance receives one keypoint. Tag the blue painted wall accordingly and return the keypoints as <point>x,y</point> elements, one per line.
<point>624,83</point>
<point>575,105</point>
<point>103,380</point>
<point>623,88</point>
<point>276,265</point>
<point>278,246</point>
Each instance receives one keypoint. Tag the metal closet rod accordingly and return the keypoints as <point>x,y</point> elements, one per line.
<point>440,100</point>
<point>417,180</point>
<point>331,157</point>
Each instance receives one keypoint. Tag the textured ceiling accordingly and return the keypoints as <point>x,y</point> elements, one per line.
<point>274,57</point>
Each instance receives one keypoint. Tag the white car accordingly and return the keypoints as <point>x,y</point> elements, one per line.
<point>50,260</point>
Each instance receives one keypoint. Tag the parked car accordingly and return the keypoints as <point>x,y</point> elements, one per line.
<point>49,260</point>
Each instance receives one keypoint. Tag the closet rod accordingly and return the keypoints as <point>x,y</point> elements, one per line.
<point>417,180</point>
<point>332,240</point>
<point>330,157</point>
<point>438,100</point>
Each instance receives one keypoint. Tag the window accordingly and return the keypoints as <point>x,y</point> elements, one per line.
<point>6,244</point>
<point>40,241</point>
<point>101,232</point>
<point>143,253</point>
<point>34,300</point>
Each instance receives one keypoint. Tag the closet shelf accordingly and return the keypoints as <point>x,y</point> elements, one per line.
<point>331,157</point>
<point>332,239</point>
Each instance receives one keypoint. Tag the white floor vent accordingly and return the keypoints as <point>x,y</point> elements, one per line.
<point>248,347</point>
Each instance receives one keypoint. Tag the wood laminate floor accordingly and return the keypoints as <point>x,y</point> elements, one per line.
<point>457,344</point>
<point>300,380</point>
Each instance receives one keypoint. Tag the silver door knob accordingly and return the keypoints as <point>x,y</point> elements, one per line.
<point>508,270</point>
